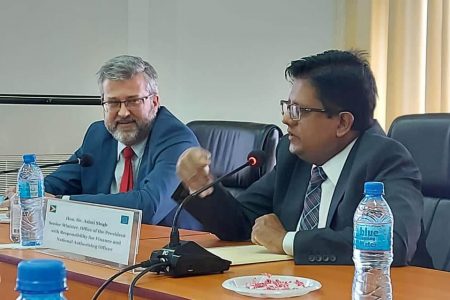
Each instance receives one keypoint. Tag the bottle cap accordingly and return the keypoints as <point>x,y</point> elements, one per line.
<point>373,188</point>
<point>29,158</point>
<point>41,275</point>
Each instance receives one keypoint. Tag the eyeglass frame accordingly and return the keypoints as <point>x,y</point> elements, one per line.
<point>126,102</point>
<point>300,109</point>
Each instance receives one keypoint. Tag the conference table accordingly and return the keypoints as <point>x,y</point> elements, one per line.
<point>84,278</point>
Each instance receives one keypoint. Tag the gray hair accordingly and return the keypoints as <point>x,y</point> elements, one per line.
<point>124,67</point>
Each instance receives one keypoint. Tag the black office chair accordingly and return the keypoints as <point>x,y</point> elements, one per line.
<point>230,142</point>
<point>427,137</point>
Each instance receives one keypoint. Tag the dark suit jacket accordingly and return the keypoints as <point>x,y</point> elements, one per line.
<point>374,157</point>
<point>156,179</point>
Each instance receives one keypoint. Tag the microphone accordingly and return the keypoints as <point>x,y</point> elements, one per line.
<point>85,160</point>
<point>187,258</point>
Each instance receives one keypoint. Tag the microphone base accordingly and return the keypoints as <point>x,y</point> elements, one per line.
<point>188,259</point>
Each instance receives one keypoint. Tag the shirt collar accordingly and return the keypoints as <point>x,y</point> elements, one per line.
<point>333,167</point>
<point>138,148</point>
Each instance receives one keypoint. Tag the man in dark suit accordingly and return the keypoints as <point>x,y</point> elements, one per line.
<point>331,134</point>
<point>135,148</point>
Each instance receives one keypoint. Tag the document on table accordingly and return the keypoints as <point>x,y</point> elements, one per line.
<point>248,254</point>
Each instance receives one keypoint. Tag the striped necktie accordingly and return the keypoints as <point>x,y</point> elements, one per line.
<point>309,218</point>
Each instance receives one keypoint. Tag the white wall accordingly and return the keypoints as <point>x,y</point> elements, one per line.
<point>216,59</point>
<point>226,59</point>
<point>54,47</point>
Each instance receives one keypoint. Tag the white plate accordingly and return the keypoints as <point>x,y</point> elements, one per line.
<point>241,285</point>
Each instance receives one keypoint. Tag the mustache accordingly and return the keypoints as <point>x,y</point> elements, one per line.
<point>124,120</point>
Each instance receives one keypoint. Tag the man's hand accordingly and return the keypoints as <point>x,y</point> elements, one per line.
<point>5,203</point>
<point>269,232</point>
<point>48,195</point>
<point>9,193</point>
<point>193,169</point>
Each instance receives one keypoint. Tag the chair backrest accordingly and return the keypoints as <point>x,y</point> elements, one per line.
<point>427,137</point>
<point>230,142</point>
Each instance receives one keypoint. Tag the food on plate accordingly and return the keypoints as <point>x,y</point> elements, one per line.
<point>266,282</point>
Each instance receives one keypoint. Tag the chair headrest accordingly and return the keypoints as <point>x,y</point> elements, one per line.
<point>230,142</point>
<point>427,137</point>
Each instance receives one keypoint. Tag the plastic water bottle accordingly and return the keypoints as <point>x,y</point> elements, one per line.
<point>14,215</point>
<point>372,245</point>
<point>31,193</point>
<point>41,279</point>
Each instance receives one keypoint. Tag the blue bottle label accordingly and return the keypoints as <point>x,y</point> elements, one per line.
<point>31,189</point>
<point>372,237</point>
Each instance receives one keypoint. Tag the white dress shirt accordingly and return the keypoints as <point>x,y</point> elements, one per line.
<point>333,169</point>
<point>136,162</point>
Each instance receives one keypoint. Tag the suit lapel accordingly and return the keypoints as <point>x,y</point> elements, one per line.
<point>144,167</point>
<point>339,191</point>
<point>154,138</point>
<point>107,165</point>
<point>342,184</point>
<point>296,194</point>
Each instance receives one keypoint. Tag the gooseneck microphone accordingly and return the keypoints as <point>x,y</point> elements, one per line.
<point>85,160</point>
<point>254,159</point>
<point>187,258</point>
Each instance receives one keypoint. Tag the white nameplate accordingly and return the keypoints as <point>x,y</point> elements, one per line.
<point>104,233</point>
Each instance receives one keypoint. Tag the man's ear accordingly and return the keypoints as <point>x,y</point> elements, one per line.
<point>346,120</point>
<point>155,100</point>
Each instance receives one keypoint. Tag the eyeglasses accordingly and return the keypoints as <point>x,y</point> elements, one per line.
<point>295,111</point>
<point>113,106</point>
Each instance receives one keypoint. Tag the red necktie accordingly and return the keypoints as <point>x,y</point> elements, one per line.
<point>127,178</point>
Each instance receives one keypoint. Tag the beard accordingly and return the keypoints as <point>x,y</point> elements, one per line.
<point>292,148</point>
<point>131,136</point>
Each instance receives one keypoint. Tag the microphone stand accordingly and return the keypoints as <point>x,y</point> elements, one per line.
<point>78,160</point>
<point>187,258</point>
<point>175,234</point>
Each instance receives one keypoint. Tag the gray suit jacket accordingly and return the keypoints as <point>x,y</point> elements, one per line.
<point>374,157</point>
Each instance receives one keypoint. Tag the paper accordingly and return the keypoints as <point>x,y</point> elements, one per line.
<point>249,254</point>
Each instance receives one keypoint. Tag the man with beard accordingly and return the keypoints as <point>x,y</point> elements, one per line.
<point>304,207</point>
<point>135,148</point>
